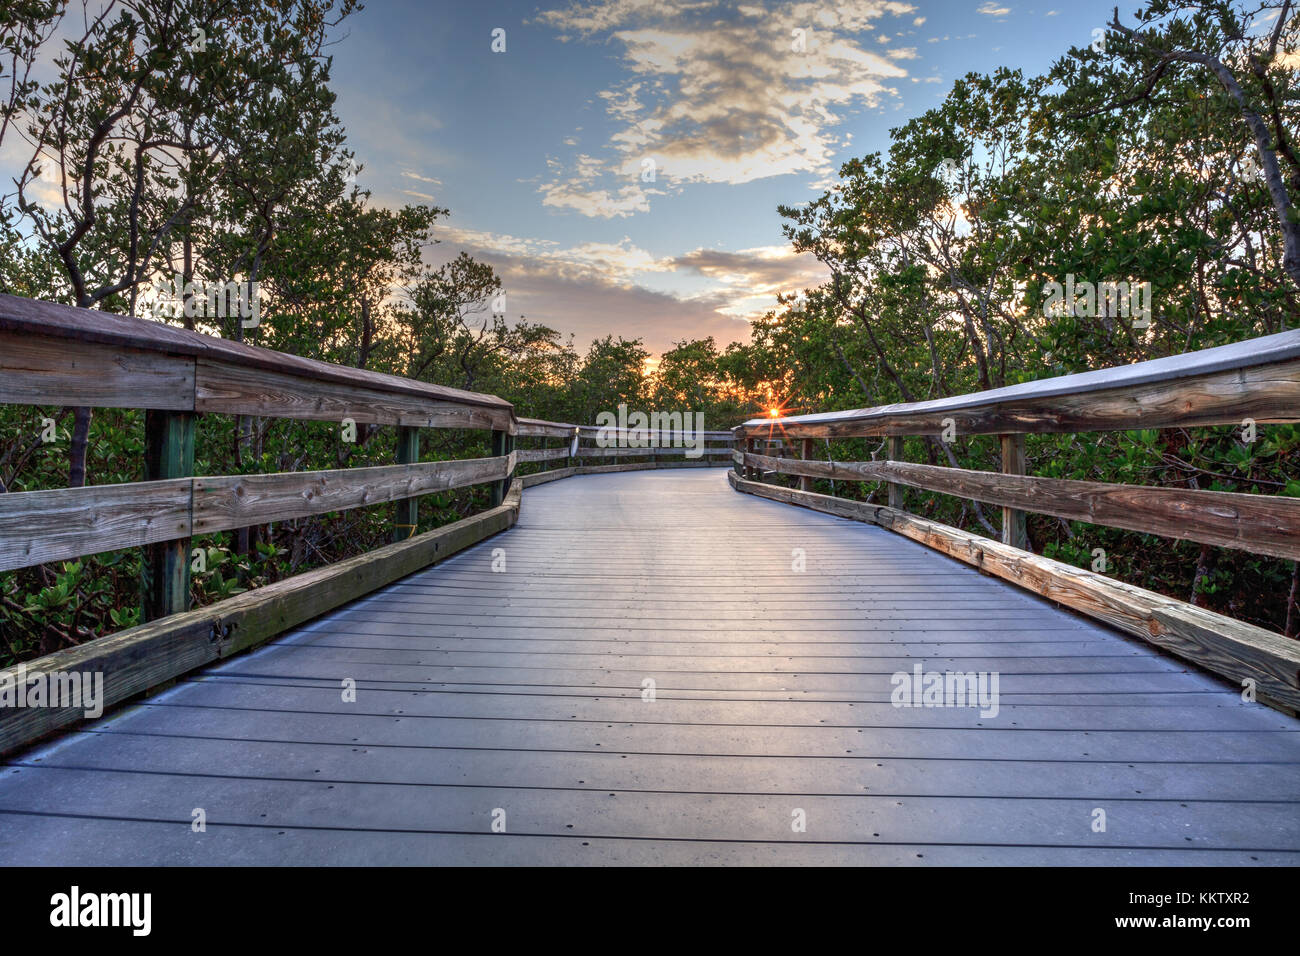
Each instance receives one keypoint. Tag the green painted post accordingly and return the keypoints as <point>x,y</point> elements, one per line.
<point>165,571</point>
<point>500,446</point>
<point>408,509</point>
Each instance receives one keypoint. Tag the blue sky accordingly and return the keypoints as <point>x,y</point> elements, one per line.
<point>539,151</point>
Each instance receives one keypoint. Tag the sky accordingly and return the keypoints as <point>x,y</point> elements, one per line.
<point>619,162</point>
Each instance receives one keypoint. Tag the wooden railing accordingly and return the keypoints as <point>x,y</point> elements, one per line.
<point>1257,382</point>
<point>55,355</point>
<point>59,355</point>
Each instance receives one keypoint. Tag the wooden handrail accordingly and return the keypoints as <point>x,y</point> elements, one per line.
<point>61,355</point>
<point>1262,524</point>
<point>1257,379</point>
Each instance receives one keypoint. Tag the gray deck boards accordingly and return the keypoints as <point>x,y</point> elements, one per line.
<point>521,691</point>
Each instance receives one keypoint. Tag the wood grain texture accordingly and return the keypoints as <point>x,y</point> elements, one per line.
<point>67,323</point>
<point>538,428</point>
<point>165,568</point>
<point>43,371</point>
<point>542,454</point>
<point>1014,531</point>
<point>1230,648</point>
<point>895,489</point>
<point>1261,524</point>
<point>1264,393</point>
<point>66,523</point>
<point>238,501</point>
<point>143,657</point>
<point>242,390</point>
<point>542,477</point>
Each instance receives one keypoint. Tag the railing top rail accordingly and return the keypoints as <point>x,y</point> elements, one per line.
<point>544,423</point>
<point>54,320</point>
<point>1239,356</point>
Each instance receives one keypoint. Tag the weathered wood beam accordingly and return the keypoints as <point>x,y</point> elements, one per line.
<point>542,477</point>
<point>895,489</point>
<point>407,513</point>
<point>237,501</point>
<point>541,454</point>
<point>165,570</point>
<point>43,371</point>
<point>1257,379</point>
<point>537,428</point>
<point>224,358</point>
<point>1014,531</point>
<point>1262,524</point>
<point>65,523</point>
<point>227,389</point>
<point>500,447</point>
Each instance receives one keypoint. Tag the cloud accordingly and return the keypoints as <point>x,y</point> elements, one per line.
<point>993,10</point>
<point>715,93</point>
<point>424,179</point>
<point>750,279</point>
<point>577,288</point>
<point>617,262</point>
<point>576,187</point>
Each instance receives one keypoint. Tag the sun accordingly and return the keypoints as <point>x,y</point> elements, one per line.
<point>775,410</point>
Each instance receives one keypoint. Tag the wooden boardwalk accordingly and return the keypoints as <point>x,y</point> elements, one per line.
<point>517,695</point>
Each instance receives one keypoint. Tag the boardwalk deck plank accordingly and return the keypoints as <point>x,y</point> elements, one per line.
<point>522,690</point>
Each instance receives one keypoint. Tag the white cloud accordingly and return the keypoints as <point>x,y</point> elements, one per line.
<point>576,288</point>
<point>993,10</point>
<point>720,94</point>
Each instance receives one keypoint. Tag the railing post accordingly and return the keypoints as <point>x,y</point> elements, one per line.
<point>408,453</point>
<point>751,448</point>
<point>165,571</point>
<point>500,446</point>
<point>573,447</point>
<point>805,452</point>
<point>895,489</point>
<point>1013,520</point>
